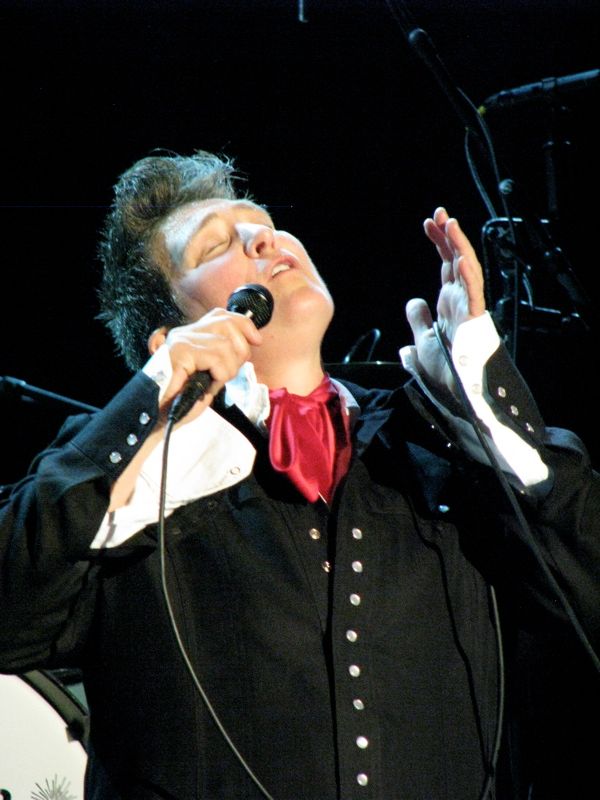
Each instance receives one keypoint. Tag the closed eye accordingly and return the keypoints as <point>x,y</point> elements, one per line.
<point>214,249</point>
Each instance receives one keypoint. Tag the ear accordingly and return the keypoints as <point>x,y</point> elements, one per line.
<point>156,338</point>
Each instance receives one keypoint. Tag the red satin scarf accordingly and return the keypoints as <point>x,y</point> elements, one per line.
<point>310,439</point>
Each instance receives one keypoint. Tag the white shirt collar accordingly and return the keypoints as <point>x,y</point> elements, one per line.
<point>244,391</point>
<point>252,397</point>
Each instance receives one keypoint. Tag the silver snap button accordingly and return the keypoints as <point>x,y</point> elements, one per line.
<point>354,670</point>
<point>115,457</point>
<point>357,533</point>
<point>352,636</point>
<point>362,779</point>
<point>501,391</point>
<point>357,566</point>
<point>362,742</point>
<point>144,418</point>
<point>314,534</point>
<point>355,599</point>
<point>358,704</point>
<point>132,439</point>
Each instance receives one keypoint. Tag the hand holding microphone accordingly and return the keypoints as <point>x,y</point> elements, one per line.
<point>253,301</point>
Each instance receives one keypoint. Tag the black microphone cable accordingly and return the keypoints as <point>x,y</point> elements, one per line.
<point>175,628</point>
<point>254,301</point>
<point>533,546</point>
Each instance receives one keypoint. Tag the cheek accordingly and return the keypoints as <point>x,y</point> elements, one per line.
<point>206,287</point>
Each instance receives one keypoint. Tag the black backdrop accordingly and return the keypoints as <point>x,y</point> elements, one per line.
<point>340,128</point>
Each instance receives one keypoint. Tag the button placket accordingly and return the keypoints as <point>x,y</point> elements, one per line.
<point>355,600</point>
<point>311,543</point>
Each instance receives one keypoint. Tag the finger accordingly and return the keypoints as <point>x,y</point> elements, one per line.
<point>217,317</point>
<point>218,361</point>
<point>222,352</point>
<point>440,216</point>
<point>248,328</point>
<point>467,267</point>
<point>472,280</point>
<point>219,349</point>
<point>221,324</point>
<point>437,236</point>
<point>228,353</point>
<point>459,242</point>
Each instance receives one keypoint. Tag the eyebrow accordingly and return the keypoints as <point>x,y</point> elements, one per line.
<point>215,215</point>
<point>190,243</point>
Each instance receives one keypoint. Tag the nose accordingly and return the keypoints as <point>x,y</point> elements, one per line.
<point>259,240</point>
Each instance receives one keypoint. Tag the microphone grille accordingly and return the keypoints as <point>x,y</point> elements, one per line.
<point>253,300</point>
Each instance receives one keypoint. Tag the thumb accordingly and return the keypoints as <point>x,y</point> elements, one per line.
<point>418,316</point>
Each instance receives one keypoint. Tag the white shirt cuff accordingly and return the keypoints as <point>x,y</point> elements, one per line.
<point>474,343</point>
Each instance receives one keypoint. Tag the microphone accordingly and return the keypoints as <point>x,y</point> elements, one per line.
<point>252,300</point>
<point>421,43</point>
<point>546,89</point>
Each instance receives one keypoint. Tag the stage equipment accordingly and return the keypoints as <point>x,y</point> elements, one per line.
<point>511,265</point>
<point>43,735</point>
<point>16,389</point>
<point>548,90</point>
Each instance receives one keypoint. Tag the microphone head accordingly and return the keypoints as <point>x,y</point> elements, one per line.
<point>254,301</point>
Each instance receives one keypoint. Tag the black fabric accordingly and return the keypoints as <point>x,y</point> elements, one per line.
<point>270,632</point>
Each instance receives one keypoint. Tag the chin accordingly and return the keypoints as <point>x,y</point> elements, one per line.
<point>301,317</point>
<point>306,301</point>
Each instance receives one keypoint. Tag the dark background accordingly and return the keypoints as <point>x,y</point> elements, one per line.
<point>348,137</point>
<point>341,129</point>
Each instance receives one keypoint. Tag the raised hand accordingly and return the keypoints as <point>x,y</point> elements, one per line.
<point>461,295</point>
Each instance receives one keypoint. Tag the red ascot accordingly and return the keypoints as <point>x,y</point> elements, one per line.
<point>310,439</point>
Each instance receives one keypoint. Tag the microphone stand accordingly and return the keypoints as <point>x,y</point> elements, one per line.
<point>16,389</point>
<point>512,267</point>
<point>556,151</point>
<point>539,238</point>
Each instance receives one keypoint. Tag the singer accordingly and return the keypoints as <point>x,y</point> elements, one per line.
<point>334,554</point>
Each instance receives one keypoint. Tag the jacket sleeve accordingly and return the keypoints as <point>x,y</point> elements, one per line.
<point>564,523</point>
<point>48,521</point>
<point>547,553</point>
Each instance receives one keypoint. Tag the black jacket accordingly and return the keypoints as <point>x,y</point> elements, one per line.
<point>357,662</point>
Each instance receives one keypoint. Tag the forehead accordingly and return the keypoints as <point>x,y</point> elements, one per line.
<point>184,222</point>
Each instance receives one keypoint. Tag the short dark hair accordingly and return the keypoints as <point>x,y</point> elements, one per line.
<point>135,293</point>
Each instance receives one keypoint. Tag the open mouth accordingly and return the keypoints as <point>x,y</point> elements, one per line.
<point>280,268</point>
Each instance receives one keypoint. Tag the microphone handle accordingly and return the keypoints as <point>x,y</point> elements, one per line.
<point>195,388</point>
